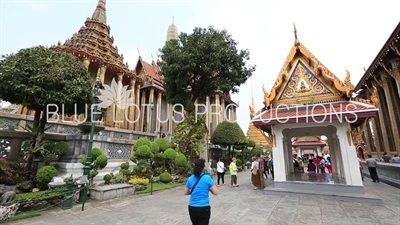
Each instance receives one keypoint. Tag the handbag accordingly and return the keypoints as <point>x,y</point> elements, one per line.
<point>195,184</point>
<point>254,171</point>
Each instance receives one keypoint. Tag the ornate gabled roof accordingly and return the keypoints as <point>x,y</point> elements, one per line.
<point>93,41</point>
<point>304,79</point>
<point>149,74</point>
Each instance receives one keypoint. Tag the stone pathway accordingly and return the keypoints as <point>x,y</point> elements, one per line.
<point>240,206</point>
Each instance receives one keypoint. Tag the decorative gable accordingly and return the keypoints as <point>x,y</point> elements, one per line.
<point>304,87</point>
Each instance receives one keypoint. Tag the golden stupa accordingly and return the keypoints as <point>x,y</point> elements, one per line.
<point>256,134</point>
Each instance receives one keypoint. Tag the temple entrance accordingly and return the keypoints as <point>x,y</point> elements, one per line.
<point>326,165</point>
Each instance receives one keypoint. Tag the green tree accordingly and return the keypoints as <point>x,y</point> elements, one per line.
<point>205,61</point>
<point>38,78</point>
<point>228,134</point>
<point>196,66</point>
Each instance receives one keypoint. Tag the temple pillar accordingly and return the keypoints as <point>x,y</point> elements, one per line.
<point>142,108</point>
<point>223,115</point>
<point>86,63</point>
<point>217,111</point>
<point>169,122</point>
<point>369,138</point>
<point>378,134</point>
<point>395,72</point>
<point>103,69</point>
<point>118,119</point>
<point>234,114</point>
<point>159,109</point>
<point>136,109</point>
<point>392,105</point>
<point>131,109</point>
<point>208,112</point>
<point>382,122</point>
<point>150,111</point>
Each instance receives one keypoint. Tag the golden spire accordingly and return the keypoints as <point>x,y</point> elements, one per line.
<point>296,41</point>
<point>251,106</point>
<point>172,31</point>
<point>100,12</point>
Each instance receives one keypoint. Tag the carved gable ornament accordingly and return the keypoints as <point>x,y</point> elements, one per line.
<point>304,86</point>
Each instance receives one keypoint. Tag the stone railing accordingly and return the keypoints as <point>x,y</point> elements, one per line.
<point>116,143</point>
<point>388,173</point>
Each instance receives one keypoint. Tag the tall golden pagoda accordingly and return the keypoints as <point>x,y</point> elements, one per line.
<point>254,133</point>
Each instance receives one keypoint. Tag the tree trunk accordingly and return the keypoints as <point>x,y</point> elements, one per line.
<point>36,120</point>
<point>38,142</point>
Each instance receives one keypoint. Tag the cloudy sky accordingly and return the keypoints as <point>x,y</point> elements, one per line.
<point>343,35</point>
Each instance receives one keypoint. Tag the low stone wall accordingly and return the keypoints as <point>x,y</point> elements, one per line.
<point>388,173</point>
<point>102,193</point>
<point>76,169</point>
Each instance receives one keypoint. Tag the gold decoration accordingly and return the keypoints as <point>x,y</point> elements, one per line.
<point>252,111</point>
<point>266,97</point>
<point>374,96</point>
<point>258,136</point>
<point>357,137</point>
<point>303,84</point>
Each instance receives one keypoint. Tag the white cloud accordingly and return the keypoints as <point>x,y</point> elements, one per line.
<point>342,35</point>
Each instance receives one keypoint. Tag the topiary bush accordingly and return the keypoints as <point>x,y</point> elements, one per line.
<point>165,177</point>
<point>139,181</point>
<point>125,166</point>
<point>44,176</point>
<point>143,152</point>
<point>180,160</point>
<point>107,178</point>
<point>170,154</point>
<point>99,162</point>
<point>141,142</point>
<point>163,143</point>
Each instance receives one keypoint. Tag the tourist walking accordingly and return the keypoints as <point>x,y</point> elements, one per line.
<point>198,186</point>
<point>220,172</point>
<point>233,172</point>
<point>317,163</point>
<point>371,164</point>
<point>261,170</point>
<point>361,168</point>
<point>328,164</point>
<point>255,175</point>
<point>271,163</point>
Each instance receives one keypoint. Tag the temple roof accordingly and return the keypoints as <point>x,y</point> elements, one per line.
<point>93,41</point>
<point>390,48</point>
<point>149,73</point>
<point>303,79</point>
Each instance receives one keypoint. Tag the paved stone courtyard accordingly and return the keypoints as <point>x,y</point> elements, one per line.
<point>241,206</point>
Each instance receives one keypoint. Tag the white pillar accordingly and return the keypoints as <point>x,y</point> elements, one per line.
<point>279,158</point>
<point>349,157</point>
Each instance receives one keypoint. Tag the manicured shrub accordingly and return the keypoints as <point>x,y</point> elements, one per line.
<point>165,177</point>
<point>180,160</point>
<point>107,178</point>
<point>239,163</point>
<point>170,154</point>
<point>141,142</point>
<point>125,166</point>
<point>154,148</point>
<point>139,181</point>
<point>44,176</point>
<point>163,143</point>
<point>143,152</point>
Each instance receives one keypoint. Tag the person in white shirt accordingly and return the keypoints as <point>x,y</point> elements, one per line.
<point>221,171</point>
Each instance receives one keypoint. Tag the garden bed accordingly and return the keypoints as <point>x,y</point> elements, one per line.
<point>159,187</point>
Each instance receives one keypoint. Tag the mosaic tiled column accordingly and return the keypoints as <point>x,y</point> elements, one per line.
<point>392,108</point>
<point>159,109</point>
<point>223,115</point>
<point>150,110</point>
<point>137,110</point>
<point>86,63</point>
<point>142,110</point>
<point>119,118</point>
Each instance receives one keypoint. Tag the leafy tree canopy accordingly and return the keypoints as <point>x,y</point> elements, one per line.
<point>38,76</point>
<point>228,133</point>
<point>251,143</point>
<point>198,64</point>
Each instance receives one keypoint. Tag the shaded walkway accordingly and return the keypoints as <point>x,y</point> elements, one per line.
<point>232,206</point>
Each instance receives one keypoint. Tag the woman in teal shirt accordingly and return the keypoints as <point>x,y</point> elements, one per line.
<point>198,186</point>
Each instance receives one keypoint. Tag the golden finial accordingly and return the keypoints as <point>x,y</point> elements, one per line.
<point>296,41</point>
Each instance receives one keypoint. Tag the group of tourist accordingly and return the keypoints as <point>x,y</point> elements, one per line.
<point>261,167</point>
<point>321,164</point>
<point>385,158</point>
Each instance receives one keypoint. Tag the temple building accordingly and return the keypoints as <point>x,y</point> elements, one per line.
<point>308,100</point>
<point>151,116</point>
<point>310,146</point>
<point>381,84</point>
